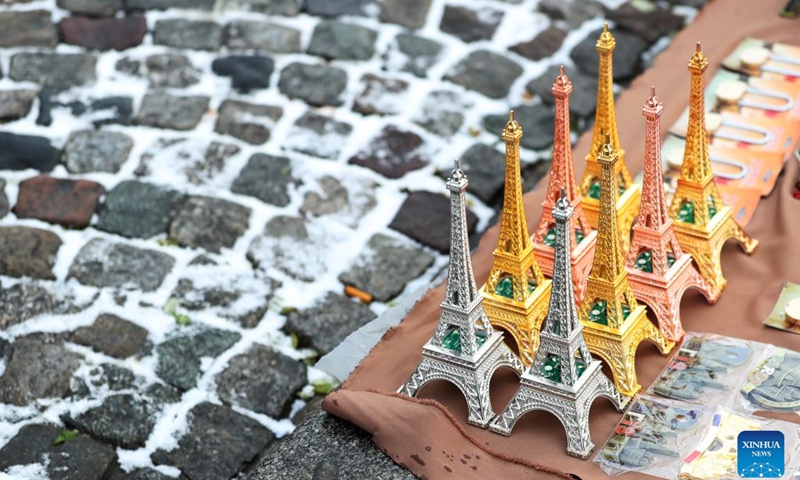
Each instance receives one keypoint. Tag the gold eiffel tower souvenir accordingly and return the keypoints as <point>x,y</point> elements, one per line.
<point>702,222</point>
<point>517,294</point>
<point>605,122</point>
<point>614,323</point>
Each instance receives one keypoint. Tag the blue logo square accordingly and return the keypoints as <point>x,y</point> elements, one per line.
<point>760,454</point>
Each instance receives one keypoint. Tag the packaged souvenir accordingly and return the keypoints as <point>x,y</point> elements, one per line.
<point>774,383</point>
<point>763,59</point>
<point>786,313</point>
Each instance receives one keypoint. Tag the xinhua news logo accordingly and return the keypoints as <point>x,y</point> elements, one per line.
<point>760,454</point>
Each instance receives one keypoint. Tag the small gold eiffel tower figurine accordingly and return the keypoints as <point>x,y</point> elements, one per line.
<point>517,294</point>
<point>702,222</point>
<point>605,122</point>
<point>614,323</point>
<point>562,178</point>
<point>658,270</point>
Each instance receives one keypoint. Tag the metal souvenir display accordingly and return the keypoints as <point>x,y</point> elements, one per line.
<point>614,323</point>
<point>605,122</point>
<point>516,294</point>
<point>564,379</point>
<point>702,222</point>
<point>658,270</point>
<point>465,350</point>
<point>562,177</point>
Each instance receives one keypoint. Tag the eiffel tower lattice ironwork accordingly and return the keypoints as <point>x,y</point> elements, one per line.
<point>562,177</point>
<point>659,271</point>
<point>614,323</point>
<point>702,222</point>
<point>605,122</point>
<point>515,296</point>
<point>564,379</point>
<point>464,350</point>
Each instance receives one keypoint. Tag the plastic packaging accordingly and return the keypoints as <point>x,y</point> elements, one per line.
<point>774,382</point>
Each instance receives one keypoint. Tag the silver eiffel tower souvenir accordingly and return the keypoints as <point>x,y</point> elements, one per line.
<point>564,378</point>
<point>464,350</point>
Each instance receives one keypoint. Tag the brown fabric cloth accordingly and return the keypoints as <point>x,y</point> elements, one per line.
<point>403,428</point>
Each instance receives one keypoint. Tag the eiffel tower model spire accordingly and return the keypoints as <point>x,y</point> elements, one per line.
<point>614,323</point>
<point>605,122</point>
<point>562,177</point>
<point>464,350</point>
<point>702,222</point>
<point>658,270</point>
<point>515,296</point>
<point>564,379</point>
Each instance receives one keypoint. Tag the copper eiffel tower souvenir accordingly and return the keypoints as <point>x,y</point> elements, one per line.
<point>564,379</point>
<point>659,271</point>
<point>605,122</point>
<point>562,177</point>
<point>515,296</point>
<point>613,321</point>
<point>464,350</point>
<point>702,222</point>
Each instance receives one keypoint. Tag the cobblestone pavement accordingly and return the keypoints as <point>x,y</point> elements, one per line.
<point>188,186</point>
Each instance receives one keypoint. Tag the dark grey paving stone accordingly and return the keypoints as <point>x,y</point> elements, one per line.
<point>317,85</point>
<point>326,8</point>
<point>420,53</point>
<point>55,71</point>
<point>161,110</point>
<point>264,36</point>
<point>533,173</point>
<point>649,25</point>
<point>536,121</point>
<point>234,439</point>
<point>21,152</point>
<point>37,371</point>
<point>262,380</point>
<point>288,245</point>
<point>101,263</point>
<point>329,321</point>
<point>266,178</point>
<point>386,254</point>
<point>486,167</point>
<point>543,45</point>
<point>78,458</point>
<point>114,472</point>
<point>627,54</point>
<point>247,72</point>
<point>112,335</point>
<point>408,13</point>
<point>334,40</point>
<point>582,100</point>
<point>95,8</point>
<point>48,101</point>
<point>332,448</point>
<point>116,110</point>
<point>136,209</point>
<point>574,12</point>
<point>179,357</point>
<point>170,70</point>
<point>32,28</point>
<point>15,104</point>
<point>485,72</point>
<point>188,34</point>
<point>218,291</point>
<point>425,217</point>
<point>28,252</point>
<point>318,135</point>
<point>248,122</point>
<point>333,197</point>
<point>3,199</point>
<point>104,378</point>
<point>24,301</point>
<point>210,223</point>
<point>442,112</point>
<point>392,153</point>
<point>96,151</point>
<point>165,4</point>
<point>381,95</point>
<point>289,8</point>
<point>124,421</point>
<point>117,33</point>
<point>470,25</point>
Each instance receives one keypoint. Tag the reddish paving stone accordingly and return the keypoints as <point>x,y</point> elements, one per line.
<point>393,153</point>
<point>70,203</point>
<point>104,33</point>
